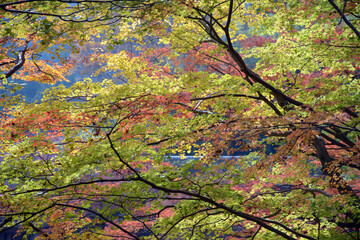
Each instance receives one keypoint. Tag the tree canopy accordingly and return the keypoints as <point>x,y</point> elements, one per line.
<point>271,85</point>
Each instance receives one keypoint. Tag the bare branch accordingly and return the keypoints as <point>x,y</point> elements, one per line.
<point>223,95</point>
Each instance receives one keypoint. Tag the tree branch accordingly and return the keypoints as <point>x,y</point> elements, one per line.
<point>223,95</point>
<point>357,33</point>
<point>259,221</point>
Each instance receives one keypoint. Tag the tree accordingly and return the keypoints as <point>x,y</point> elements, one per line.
<point>92,160</point>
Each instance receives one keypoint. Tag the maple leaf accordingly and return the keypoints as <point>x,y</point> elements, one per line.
<point>233,120</point>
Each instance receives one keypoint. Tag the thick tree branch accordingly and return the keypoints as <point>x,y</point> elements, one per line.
<point>208,21</point>
<point>351,113</point>
<point>330,168</point>
<point>357,33</point>
<point>333,141</point>
<point>18,64</point>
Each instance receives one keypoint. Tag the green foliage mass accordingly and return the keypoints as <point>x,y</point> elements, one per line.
<point>94,159</point>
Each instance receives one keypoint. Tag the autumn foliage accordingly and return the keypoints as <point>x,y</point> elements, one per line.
<point>216,120</point>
